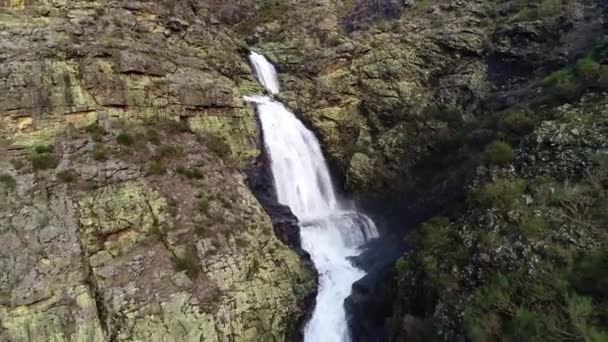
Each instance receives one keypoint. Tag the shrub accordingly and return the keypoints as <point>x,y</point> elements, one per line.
<point>41,149</point>
<point>187,264</point>
<point>568,89</point>
<point>532,326</point>
<point>203,205</point>
<point>43,161</point>
<point>588,70</point>
<point>518,122</point>
<point>192,173</point>
<point>168,151</point>
<point>125,139</point>
<point>66,176</point>
<point>498,152</point>
<point>155,167</point>
<point>216,144</point>
<point>99,153</point>
<point>449,114</point>
<point>436,233</point>
<point>589,274</point>
<point>96,131</point>
<point>8,181</point>
<point>556,77</point>
<point>502,193</point>
<point>402,265</point>
<point>533,226</point>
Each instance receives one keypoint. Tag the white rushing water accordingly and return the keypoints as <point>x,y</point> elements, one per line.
<point>331,231</point>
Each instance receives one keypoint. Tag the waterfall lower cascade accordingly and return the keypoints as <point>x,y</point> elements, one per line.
<point>331,230</point>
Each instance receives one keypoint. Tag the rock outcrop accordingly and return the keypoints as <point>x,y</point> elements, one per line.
<point>123,215</point>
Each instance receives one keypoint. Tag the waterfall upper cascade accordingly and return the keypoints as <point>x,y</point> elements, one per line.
<point>331,230</point>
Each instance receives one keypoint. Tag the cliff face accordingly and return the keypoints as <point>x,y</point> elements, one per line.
<point>387,83</point>
<point>123,215</point>
<point>123,211</point>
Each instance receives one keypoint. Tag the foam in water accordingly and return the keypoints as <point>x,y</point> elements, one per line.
<point>330,232</point>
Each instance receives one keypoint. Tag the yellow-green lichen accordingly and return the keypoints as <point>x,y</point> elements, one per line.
<point>128,211</point>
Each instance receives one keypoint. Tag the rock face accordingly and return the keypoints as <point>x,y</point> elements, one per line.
<point>123,215</point>
<point>535,223</point>
<point>124,250</point>
<point>64,62</point>
<point>393,81</point>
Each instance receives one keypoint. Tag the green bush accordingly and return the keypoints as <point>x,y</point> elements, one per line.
<point>125,139</point>
<point>449,114</point>
<point>168,151</point>
<point>187,264</point>
<point>43,161</point>
<point>518,122</point>
<point>430,265</point>
<point>502,193</point>
<point>216,144</point>
<point>95,131</point>
<point>569,83</point>
<point>203,205</point>
<point>436,234</point>
<point>99,153</point>
<point>555,77</point>
<point>192,172</point>
<point>41,149</point>
<point>533,326</point>
<point>155,167</point>
<point>588,70</point>
<point>498,152</point>
<point>402,265</point>
<point>8,181</point>
<point>534,226</point>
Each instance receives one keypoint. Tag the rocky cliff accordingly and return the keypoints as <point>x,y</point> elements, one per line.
<point>386,84</point>
<point>124,215</point>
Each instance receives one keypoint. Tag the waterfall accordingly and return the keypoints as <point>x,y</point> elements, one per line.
<point>330,229</point>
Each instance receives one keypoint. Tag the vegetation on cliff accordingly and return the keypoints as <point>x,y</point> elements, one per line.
<point>525,257</point>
